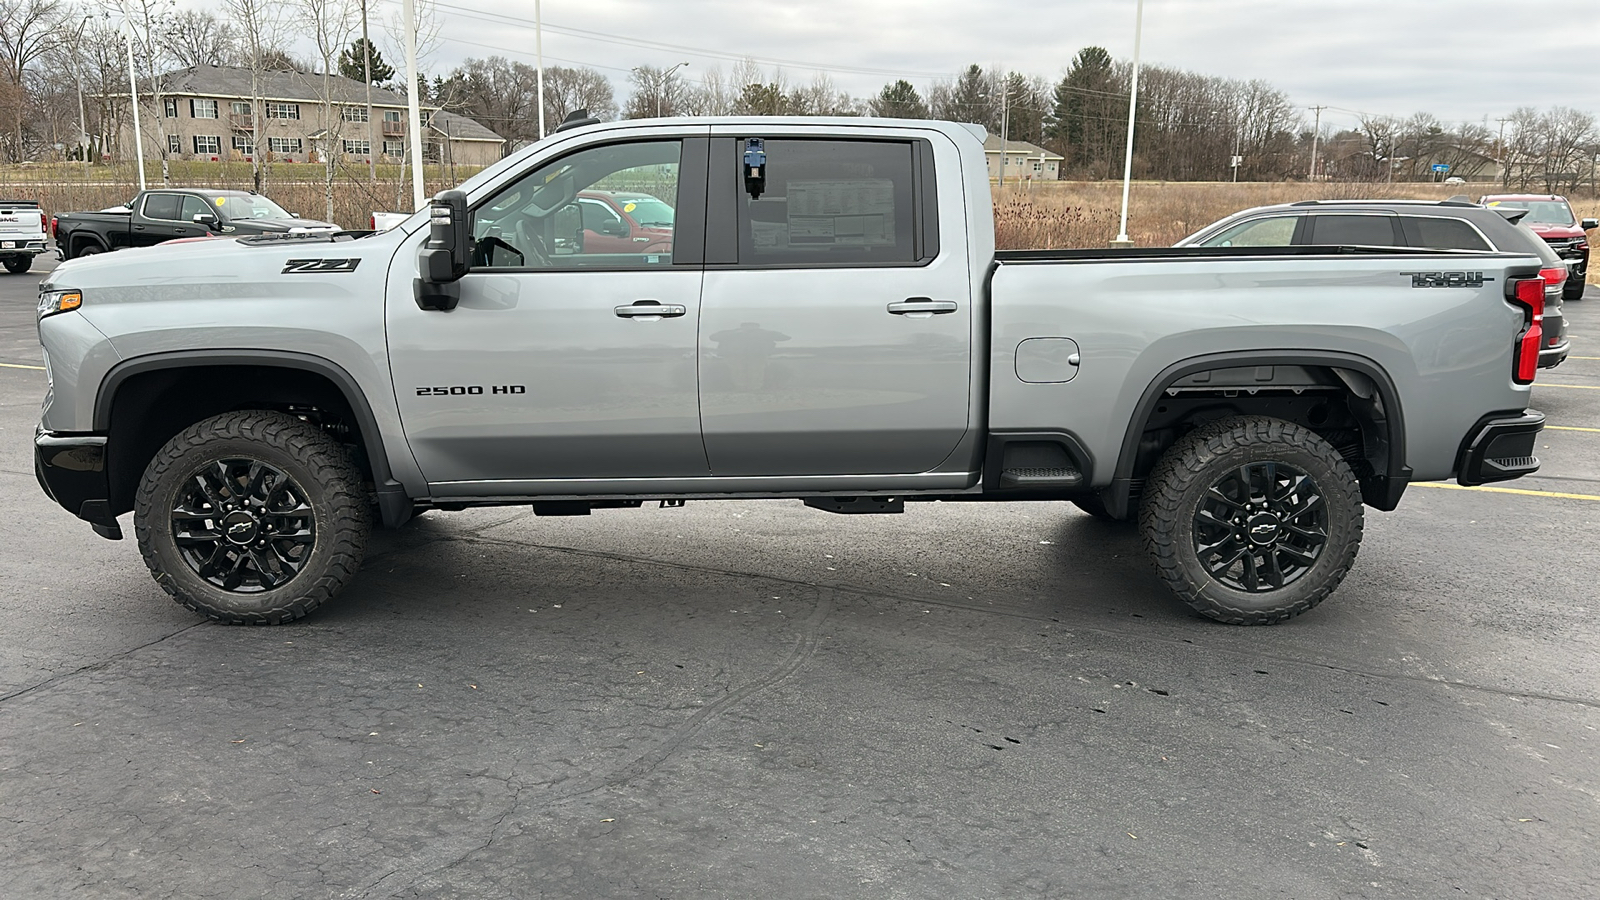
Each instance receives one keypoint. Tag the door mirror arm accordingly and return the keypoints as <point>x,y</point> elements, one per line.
<point>446,255</point>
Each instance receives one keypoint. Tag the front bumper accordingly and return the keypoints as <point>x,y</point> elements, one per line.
<point>1500,448</point>
<point>71,469</point>
<point>1550,357</point>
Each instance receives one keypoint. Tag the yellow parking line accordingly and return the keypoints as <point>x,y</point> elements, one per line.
<point>15,366</point>
<point>1500,490</point>
<point>1579,387</point>
<point>1569,428</point>
<point>1583,357</point>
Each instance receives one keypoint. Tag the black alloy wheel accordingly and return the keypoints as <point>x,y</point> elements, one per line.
<point>1260,527</point>
<point>243,526</point>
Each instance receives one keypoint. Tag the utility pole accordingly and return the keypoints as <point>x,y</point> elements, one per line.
<point>1005,124</point>
<point>83,122</point>
<point>133,94</point>
<point>1316,132</point>
<point>366,65</point>
<point>1122,239</point>
<point>413,104</point>
<point>1500,154</point>
<point>538,56</point>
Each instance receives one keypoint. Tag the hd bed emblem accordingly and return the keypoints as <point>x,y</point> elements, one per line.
<point>307,266</point>
<point>1447,279</point>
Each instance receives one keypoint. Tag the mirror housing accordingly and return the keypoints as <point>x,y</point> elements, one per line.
<point>208,219</point>
<point>1589,224</point>
<point>447,254</point>
<point>566,225</point>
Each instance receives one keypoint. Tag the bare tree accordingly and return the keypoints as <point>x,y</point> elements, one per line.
<point>261,29</point>
<point>199,38</point>
<point>569,89</point>
<point>332,25</point>
<point>28,29</point>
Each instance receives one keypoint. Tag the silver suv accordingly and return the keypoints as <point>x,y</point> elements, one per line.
<point>1455,224</point>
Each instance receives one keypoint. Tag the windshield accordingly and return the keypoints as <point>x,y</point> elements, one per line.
<point>248,206</point>
<point>648,211</point>
<point>1541,212</point>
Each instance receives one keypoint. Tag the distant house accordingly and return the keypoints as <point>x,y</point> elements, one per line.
<point>206,112</point>
<point>1020,160</point>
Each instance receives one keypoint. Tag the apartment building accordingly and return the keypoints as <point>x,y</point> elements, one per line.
<point>207,112</point>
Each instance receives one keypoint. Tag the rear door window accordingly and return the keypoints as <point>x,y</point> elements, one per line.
<point>1361,230</point>
<point>1276,231</point>
<point>162,206</point>
<point>1442,234</point>
<point>831,202</point>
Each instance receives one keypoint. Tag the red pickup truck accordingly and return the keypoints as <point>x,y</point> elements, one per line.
<point>1551,218</point>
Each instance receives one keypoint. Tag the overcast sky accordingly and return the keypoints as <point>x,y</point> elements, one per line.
<point>1460,60</point>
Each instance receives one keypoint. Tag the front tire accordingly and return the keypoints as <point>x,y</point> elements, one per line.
<point>1252,520</point>
<point>1573,289</point>
<point>252,517</point>
<point>16,265</point>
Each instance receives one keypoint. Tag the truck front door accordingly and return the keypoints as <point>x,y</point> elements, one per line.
<point>557,365</point>
<point>835,332</point>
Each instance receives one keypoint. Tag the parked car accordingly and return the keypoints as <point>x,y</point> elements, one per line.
<point>22,234</point>
<point>624,222</point>
<point>1456,224</point>
<point>165,214</point>
<point>833,325</point>
<point>1550,216</point>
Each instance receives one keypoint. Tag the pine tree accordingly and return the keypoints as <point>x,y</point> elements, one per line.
<point>352,63</point>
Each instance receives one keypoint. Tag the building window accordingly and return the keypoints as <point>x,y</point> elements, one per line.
<point>240,107</point>
<point>207,144</point>
<point>169,106</point>
<point>358,148</point>
<point>283,145</point>
<point>353,113</point>
<point>283,110</point>
<point>242,145</point>
<point>396,149</point>
<point>174,144</point>
<point>203,109</point>
<point>392,115</point>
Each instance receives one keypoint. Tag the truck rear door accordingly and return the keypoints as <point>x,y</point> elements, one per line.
<point>835,333</point>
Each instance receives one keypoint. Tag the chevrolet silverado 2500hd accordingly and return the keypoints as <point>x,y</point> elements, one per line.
<point>831,323</point>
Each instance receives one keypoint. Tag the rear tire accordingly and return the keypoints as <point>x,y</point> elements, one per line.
<point>16,265</point>
<point>252,517</point>
<point>88,250</point>
<point>1252,520</point>
<point>1573,289</point>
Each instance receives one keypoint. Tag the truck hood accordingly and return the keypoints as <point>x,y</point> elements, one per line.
<point>281,225</point>
<point>219,262</point>
<point>1546,230</point>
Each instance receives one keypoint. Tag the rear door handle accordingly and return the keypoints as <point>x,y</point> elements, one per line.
<point>912,306</point>
<point>650,309</point>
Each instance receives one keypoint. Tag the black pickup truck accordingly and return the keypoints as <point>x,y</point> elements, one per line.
<point>170,214</point>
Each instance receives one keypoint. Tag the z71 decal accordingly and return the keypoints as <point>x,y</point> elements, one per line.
<point>307,266</point>
<point>1447,279</point>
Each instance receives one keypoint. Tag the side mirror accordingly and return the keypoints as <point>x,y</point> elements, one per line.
<point>567,225</point>
<point>209,220</point>
<point>294,215</point>
<point>447,254</point>
<point>1590,223</point>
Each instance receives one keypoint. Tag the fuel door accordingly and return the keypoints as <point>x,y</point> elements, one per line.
<point>1047,360</point>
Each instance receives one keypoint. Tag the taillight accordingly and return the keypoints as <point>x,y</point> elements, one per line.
<point>1554,276</point>
<point>52,228</point>
<point>1528,293</point>
<point>41,220</point>
<point>372,222</point>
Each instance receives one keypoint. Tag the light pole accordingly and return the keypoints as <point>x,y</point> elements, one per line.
<point>662,90</point>
<point>133,93</point>
<point>83,122</point>
<point>538,57</point>
<point>1122,239</point>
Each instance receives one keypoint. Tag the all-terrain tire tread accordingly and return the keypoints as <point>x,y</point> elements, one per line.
<point>336,476</point>
<point>1187,460</point>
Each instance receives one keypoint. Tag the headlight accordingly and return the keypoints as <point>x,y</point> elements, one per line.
<point>52,302</point>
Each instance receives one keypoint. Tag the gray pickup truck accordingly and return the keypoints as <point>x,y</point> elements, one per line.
<point>831,323</point>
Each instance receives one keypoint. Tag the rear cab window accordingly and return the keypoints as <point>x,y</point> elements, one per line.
<point>829,202</point>
<point>1441,233</point>
<point>1355,229</point>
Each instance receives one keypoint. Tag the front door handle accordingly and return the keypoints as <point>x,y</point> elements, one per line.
<point>650,310</point>
<point>922,307</point>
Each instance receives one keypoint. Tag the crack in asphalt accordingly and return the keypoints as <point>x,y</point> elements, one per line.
<point>1589,702</point>
<point>98,664</point>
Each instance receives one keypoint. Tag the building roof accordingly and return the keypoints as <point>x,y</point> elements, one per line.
<point>461,128</point>
<point>991,144</point>
<point>229,81</point>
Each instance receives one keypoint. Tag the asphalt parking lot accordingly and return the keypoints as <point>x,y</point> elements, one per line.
<point>763,700</point>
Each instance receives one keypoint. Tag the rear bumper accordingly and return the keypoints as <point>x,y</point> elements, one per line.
<point>71,469</point>
<point>1500,448</point>
<point>21,246</point>
<point>1550,357</point>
